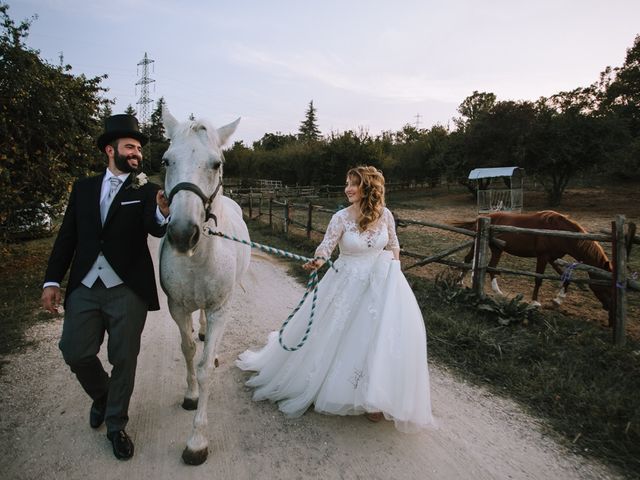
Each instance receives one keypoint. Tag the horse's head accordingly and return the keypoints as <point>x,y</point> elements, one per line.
<point>193,180</point>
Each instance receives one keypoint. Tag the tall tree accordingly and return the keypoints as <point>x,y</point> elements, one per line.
<point>156,127</point>
<point>158,144</point>
<point>48,122</point>
<point>621,100</point>
<point>473,107</point>
<point>566,140</point>
<point>309,130</point>
<point>623,93</point>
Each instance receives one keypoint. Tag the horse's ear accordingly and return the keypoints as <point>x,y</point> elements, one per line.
<point>169,121</point>
<point>225,132</point>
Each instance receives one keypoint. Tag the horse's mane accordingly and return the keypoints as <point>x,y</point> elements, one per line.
<point>559,221</point>
<point>198,128</point>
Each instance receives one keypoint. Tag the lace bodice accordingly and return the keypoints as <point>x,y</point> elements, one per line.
<point>343,230</point>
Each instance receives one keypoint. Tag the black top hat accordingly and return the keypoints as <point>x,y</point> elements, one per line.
<point>121,126</point>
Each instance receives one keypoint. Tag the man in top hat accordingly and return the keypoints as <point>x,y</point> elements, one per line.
<point>111,286</point>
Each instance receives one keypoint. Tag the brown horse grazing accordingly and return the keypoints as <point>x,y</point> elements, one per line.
<point>545,249</point>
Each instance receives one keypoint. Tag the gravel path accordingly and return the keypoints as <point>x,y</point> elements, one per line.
<point>44,431</point>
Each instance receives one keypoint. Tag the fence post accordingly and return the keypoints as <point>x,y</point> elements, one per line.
<point>286,215</point>
<point>309,224</point>
<point>618,309</point>
<point>481,247</point>
<point>250,206</point>
<point>271,212</point>
<point>260,206</point>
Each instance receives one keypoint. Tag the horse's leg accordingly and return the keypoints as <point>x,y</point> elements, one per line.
<point>197,448</point>
<point>182,318</point>
<point>496,253</point>
<point>202,332</point>
<point>564,288</point>
<point>203,325</point>
<point>541,265</point>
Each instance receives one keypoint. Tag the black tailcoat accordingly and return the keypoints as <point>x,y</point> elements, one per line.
<point>122,239</point>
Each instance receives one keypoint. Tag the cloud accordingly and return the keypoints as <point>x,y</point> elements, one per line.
<point>335,72</point>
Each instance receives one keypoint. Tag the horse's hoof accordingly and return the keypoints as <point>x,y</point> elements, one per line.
<point>536,304</point>
<point>190,404</point>
<point>557,302</point>
<point>201,337</point>
<point>196,457</point>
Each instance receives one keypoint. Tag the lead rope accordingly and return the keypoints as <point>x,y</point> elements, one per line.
<point>312,284</point>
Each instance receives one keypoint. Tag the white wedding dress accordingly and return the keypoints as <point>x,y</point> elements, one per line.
<point>367,348</point>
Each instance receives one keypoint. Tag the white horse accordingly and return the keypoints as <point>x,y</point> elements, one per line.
<point>198,271</point>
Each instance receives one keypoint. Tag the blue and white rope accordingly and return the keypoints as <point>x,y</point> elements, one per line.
<point>312,284</point>
<point>568,272</point>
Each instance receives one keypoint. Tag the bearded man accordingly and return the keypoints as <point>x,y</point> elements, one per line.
<point>111,285</point>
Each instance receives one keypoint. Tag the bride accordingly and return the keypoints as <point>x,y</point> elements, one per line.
<point>367,350</point>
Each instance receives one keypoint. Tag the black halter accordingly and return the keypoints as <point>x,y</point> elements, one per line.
<point>206,201</point>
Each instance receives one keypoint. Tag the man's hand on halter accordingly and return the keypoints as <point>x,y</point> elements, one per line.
<point>313,264</point>
<point>163,203</point>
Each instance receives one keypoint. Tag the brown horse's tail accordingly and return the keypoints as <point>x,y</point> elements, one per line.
<point>469,225</point>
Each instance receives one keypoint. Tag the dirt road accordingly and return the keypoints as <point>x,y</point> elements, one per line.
<point>44,431</point>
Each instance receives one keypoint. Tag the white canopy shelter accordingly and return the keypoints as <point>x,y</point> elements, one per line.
<point>492,197</point>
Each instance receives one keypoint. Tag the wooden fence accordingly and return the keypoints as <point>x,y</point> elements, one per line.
<point>237,191</point>
<point>618,280</point>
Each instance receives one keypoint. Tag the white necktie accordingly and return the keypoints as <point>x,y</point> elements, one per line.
<point>106,203</point>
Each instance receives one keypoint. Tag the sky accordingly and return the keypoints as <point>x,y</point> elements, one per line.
<point>375,65</point>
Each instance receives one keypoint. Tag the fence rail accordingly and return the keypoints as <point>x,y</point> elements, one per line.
<point>618,280</point>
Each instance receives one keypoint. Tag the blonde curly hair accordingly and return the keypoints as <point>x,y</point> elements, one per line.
<point>371,184</point>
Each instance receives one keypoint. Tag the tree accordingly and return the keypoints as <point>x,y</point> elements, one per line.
<point>239,161</point>
<point>158,144</point>
<point>105,111</point>
<point>309,130</point>
<point>274,141</point>
<point>565,141</point>
<point>130,110</point>
<point>495,134</point>
<point>623,93</point>
<point>621,102</point>
<point>48,123</point>
<point>474,107</point>
<point>344,151</point>
<point>156,127</point>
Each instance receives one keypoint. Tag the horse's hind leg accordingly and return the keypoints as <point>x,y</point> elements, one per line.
<point>183,319</point>
<point>541,265</point>
<point>197,448</point>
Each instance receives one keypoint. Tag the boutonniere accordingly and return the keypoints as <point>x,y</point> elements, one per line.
<point>139,180</point>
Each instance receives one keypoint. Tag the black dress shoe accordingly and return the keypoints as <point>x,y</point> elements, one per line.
<point>122,444</point>
<point>97,412</point>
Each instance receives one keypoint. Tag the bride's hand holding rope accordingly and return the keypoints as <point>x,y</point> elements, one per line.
<point>314,264</point>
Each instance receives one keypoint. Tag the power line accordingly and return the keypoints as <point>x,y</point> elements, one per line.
<point>144,101</point>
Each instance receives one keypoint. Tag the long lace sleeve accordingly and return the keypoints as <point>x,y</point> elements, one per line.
<point>391,229</point>
<point>331,237</point>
